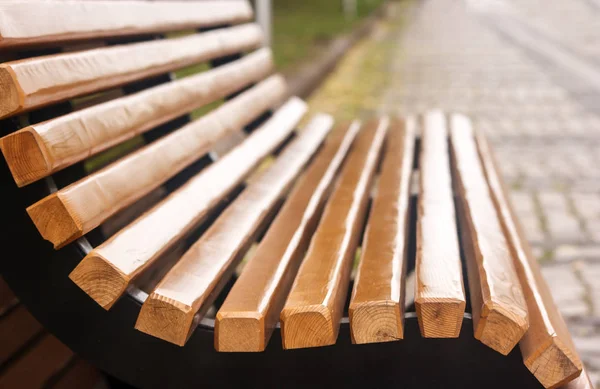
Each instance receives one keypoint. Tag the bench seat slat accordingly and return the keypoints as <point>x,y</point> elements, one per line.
<point>312,313</point>
<point>38,81</point>
<point>16,329</point>
<point>439,296</point>
<point>377,305</point>
<point>499,308</point>
<point>42,149</point>
<point>62,21</point>
<point>193,283</point>
<point>251,311</point>
<point>106,271</point>
<point>547,347</point>
<point>80,207</point>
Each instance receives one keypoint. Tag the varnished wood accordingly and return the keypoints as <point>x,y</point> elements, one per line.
<point>248,316</point>
<point>34,22</point>
<point>547,347</point>
<point>311,315</point>
<point>377,305</point>
<point>80,207</point>
<point>38,81</point>
<point>499,308</point>
<point>439,294</point>
<point>106,271</point>
<point>81,375</point>
<point>42,149</point>
<point>38,365</point>
<point>193,283</point>
<point>16,329</point>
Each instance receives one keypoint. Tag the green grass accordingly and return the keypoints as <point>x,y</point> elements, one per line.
<point>300,28</point>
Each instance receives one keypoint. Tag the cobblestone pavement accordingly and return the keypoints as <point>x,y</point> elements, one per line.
<point>539,105</point>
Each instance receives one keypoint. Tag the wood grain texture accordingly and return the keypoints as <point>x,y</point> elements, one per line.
<point>311,315</point>
<point>246,320</point>
<point>38,81</point>
<point>440,294</point>
<point>581,382</point>
<point>193,283</point>
<point>16,329</point>
<point>499,309</point>
<point>377,304</point>
<point>34,22</point>
<point>38,365</point>
<point>42,149</point>
<point>82,206</point>
<point>547,348</point>
<point>106,271</point>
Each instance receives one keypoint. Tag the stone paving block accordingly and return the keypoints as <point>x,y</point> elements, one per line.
<point>566,289</point>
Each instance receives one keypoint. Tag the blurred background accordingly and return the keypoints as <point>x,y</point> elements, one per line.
<point>527,71</point>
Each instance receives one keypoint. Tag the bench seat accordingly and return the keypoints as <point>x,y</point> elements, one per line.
<point>252,220</point>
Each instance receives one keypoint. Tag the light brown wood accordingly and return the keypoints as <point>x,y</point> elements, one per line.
<point>248,316</point>
<point>547,347</point>
<point>377,304</point>
<point>36,367</point>
<point>42,149</point>
<point>439,291</point>
<point>38,81</point>
<point>34,22</point>
<point>581,382</point>
<point>16,329</point>
<point>82,206</point>
<point>311,315</point>
<point>106,271</point>
<point>498,305</point>
<point>194,282</point>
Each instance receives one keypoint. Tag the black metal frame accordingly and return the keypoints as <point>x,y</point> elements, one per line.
<point>39,277</point>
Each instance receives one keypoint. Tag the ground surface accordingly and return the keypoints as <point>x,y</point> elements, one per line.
<point>528,72</point>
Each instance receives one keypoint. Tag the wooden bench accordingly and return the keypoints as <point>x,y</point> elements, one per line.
<point>233,226</point>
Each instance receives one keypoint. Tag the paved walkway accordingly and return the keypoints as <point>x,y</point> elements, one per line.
<point>533,91</point>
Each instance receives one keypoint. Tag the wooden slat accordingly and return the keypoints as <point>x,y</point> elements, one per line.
<point>16,329</point>
<point>195,281</point>
<point>107,270</point>
<point>547,348</point>
<point>311,315</point>
<point>581,382</point>
<point>29,22</point>
<point>36,367</point>
<point>82,206</point>
<point>377,304</point>
<point>499,308</point>
<point>439,294</point>
<point>38,81</point>
<point>248,316</point>
<point>42,149</point>
<point>7,298</point>
<point>81,375</point>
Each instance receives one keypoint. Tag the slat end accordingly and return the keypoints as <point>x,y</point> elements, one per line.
<point>54,222</point>
<point>376,322</point>
<point>10,100</point>
<point>501,329</point>
<point>554,365</point>
<point>308,326</point>
<point>440,318</point>
<point>166,319</point>
<point>103,282</point>
<point>25,157</point>
<point>240,332</point>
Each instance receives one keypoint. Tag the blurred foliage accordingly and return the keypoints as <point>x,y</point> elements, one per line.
<point>302,27</point>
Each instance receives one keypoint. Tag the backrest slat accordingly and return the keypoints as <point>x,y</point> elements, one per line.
<point>29,22</point>
<point>115,263</point>
<point>196,280</point>
<point>77,209</point>
<point>38,81</point>
<point>42,149</point>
